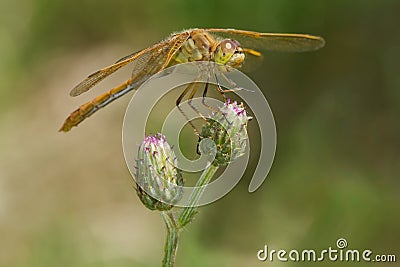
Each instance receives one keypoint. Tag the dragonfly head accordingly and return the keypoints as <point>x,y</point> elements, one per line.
<point>229,52</point>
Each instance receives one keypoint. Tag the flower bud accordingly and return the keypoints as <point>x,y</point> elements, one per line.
<point>158,180</point>
<point>228,129</point>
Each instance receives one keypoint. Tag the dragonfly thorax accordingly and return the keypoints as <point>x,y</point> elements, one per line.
<point>198,47</point>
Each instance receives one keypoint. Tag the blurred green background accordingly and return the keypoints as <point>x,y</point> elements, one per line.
<point>65,199</point>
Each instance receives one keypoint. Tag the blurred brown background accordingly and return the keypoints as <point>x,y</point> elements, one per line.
<point>65,199</point>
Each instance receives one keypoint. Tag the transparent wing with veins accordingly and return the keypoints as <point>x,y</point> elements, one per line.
<point>281,42</point>
<point>141,58</point>
<point>145,64</point>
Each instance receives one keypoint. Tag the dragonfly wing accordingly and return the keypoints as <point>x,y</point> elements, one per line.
<point>282,42</point>
<point>99,75</point>
<point>149,63</point>
<point>141,58</point>
<point>152,62</point>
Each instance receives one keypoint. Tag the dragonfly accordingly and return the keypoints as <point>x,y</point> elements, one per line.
<point>227,47</point>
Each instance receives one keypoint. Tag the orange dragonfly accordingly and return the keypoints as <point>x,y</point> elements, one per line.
<point>224,46</point>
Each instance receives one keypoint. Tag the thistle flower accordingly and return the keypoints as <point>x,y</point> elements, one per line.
<point>158,180</point>
<point>228,129</point>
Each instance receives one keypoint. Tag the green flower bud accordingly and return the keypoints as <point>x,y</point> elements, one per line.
<point>158,180</point>
<point>228,129</point>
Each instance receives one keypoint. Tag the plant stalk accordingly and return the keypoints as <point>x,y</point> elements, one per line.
<point>174,227</point>
<point>190,210</point>
<point>171,242</point>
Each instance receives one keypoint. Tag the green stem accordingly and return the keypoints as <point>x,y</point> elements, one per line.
<point>171,242</point>
<point>189,211</point>
<point>174,226</point>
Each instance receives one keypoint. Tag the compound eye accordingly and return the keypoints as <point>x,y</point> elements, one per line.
<point>228,46</point>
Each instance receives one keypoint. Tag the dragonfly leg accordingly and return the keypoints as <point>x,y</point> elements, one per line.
<point>178,102</point>
<point>190,98</point>
<point>205,90</point>
<point>232,84</point>
<point>219,88</point>
<point>203,101</point>
<point>229,80</point>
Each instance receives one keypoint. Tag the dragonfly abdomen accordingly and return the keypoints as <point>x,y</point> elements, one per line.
<point>87,109</point>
